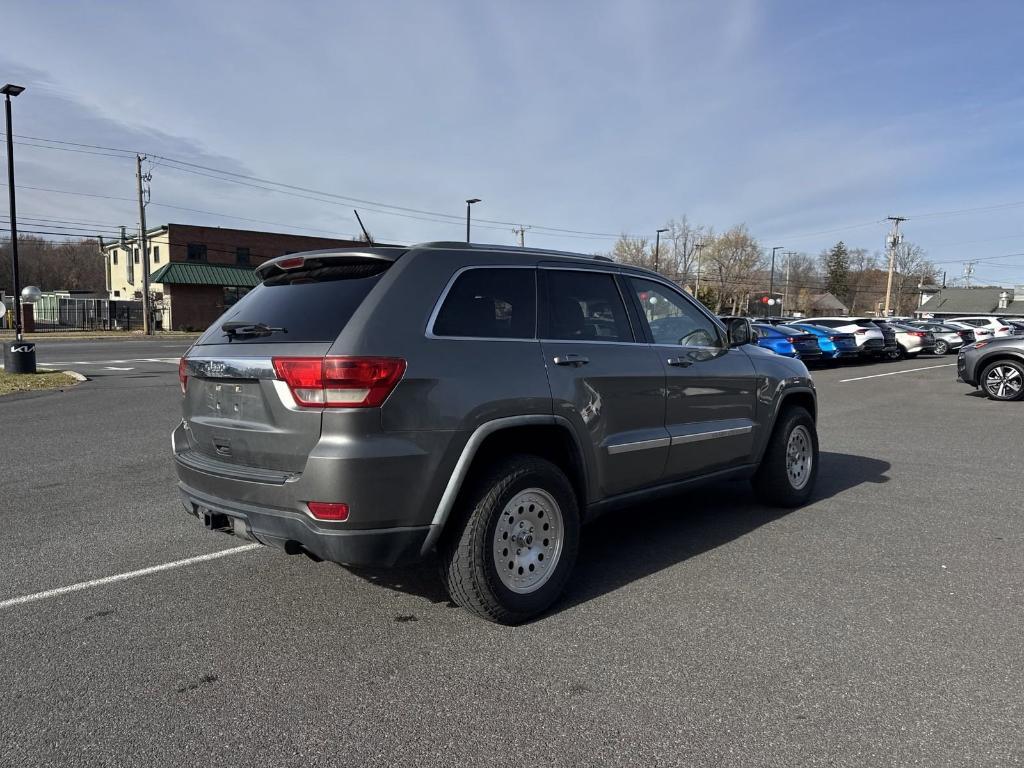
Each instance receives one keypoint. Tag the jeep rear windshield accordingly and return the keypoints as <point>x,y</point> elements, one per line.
<point>302,305</point>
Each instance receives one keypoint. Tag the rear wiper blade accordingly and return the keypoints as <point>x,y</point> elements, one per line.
<point>233,329</point>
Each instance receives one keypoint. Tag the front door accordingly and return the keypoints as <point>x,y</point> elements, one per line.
<point>710,408</point>
<point>604,377</point>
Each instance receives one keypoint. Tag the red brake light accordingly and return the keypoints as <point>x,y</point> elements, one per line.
<point>981,344</point>
<point>182,374</point>
<point>861,331</point>
<point>790,339</point>
<point>328,510</point>
<point>293,263</point>
<point>921,334</point>
<point>1004,328</point>
<point>340,382</point>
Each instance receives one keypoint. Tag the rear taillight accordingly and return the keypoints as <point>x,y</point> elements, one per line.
<point>981,344</point>
<point>328,510</point>
<point>1004,328</point>
<point>861,331</point>
<point>790,339</point>
<point>919,334</point>
<point>340,382</point>
<point>182,375</point>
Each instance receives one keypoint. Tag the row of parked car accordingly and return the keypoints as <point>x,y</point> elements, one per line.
<point>833,339</point>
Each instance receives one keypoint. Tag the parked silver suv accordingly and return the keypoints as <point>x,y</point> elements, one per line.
<point>374,406</point>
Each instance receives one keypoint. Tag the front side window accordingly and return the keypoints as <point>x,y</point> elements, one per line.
<point>585,306</point>
<point>672,318</point>
<point>196,252</point>
<point>490,303</point>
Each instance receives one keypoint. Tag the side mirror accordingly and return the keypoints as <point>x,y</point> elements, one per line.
<point>740,332</point>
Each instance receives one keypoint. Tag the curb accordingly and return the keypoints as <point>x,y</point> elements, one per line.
<point>76,375</point>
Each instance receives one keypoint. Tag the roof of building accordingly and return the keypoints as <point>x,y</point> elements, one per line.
<point>823,301</point>
<point>199,273</point>
<point>970,301</point>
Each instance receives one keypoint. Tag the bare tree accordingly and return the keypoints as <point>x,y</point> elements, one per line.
<point>635,251</point>
<point>912,268</point>
<point>52,265</point>
<point>678,258</point>
<point>734,260</point>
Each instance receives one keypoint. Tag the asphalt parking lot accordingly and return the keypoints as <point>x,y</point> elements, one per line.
<point>880,625</point>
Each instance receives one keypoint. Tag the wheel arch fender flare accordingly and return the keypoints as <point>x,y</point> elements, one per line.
<point>470,451</point>
<point>801,395</point>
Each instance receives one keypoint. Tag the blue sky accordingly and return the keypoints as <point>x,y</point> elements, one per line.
<point>808,121</point>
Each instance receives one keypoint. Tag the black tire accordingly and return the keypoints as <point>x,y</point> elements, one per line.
<point>897,354</point>
<point>773,484</point>
<point>1013,374</point>
<point>467,562</point>
<point>941,347</point>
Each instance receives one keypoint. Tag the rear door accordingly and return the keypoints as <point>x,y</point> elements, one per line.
<point>710,409</point>
<point>604,377</point>
<point>235,409</point>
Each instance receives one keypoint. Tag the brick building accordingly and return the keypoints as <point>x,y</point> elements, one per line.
<point>195,272</point>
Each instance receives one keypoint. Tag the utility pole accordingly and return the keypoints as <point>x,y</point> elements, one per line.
<point>698,247</point>
<point>893,242</point>
<point>969,271</point>
<point>521,231</point>
<point>140,177</point>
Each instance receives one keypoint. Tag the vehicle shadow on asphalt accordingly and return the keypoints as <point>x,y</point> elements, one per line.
<point>659,534</point>
<point>673,530</point>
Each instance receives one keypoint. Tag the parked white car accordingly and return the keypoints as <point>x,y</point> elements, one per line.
<point>980,333</point>
<point>871,339</point>
<point>993,323</point>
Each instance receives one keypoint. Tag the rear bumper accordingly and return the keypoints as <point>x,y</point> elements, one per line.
<point>392,483</point>
<point>294,532</point>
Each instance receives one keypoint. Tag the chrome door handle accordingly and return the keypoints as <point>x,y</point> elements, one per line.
<point>571,359</point>
<point>679,362</point>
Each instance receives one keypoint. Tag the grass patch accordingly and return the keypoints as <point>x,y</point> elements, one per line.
<point>27,382</point>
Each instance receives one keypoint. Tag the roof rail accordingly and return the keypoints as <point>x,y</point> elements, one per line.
<point>456,244</point>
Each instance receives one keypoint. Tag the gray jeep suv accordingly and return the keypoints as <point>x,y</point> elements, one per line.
<point>374,406</point>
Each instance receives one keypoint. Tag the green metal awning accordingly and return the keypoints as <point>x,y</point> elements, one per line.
<point>199,273</point>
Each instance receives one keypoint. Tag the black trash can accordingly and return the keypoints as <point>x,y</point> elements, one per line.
<point>20,356</point>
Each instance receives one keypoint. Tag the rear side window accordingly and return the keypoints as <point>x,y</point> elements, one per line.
<point>312,304</point>
<point>490,303</point>
<point>585,306</point>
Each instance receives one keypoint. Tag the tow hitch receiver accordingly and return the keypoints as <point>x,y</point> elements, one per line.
<point>214,521</point>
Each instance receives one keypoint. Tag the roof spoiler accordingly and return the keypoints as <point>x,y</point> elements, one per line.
<point>292,261</point>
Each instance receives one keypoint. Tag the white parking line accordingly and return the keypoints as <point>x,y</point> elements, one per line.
<point>124,576</point>
<point>896,373</point>
<point>168,360</point>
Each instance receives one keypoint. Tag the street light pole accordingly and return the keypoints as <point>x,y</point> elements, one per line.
<point>8,91</point>
<point>771,280</point>
<point>657,247</point>
<point>468,204</point>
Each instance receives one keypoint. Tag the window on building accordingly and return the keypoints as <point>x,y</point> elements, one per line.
<point>113,256</point>
<point>117,294</point>
<point>156,254</point>
<point>242,256</point>
<point>233,293</point>
<point>196,252</point>
<point>136,255</point>
<point>490,303</point>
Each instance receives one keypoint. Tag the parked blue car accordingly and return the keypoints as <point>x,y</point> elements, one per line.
<point>834,345</point>
<point>787,341</point>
